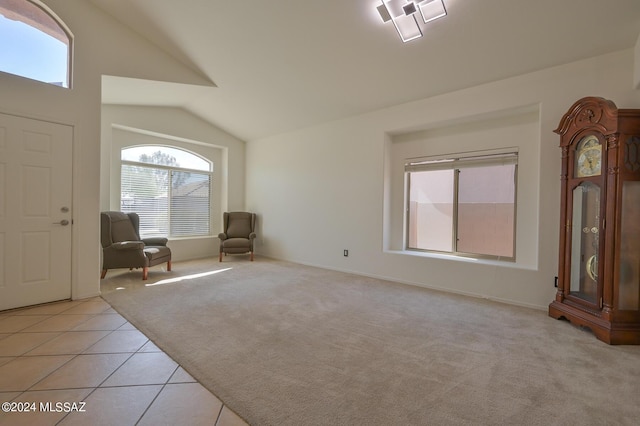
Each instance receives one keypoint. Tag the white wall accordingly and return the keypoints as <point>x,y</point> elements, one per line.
<point>636,69</point>
<point>124,125</point>
<point>101,46</point>
<point>322,189</point>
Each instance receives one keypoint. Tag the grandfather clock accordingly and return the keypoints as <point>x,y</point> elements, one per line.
<point>599,259</point>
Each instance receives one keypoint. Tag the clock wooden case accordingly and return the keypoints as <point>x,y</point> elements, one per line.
<point>599,259</point>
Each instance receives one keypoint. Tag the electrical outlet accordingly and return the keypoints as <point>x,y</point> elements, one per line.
<point>346,253</point>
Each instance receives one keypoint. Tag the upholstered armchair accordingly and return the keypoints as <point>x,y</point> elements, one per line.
<point>238,233</point>
<point>122,246</point>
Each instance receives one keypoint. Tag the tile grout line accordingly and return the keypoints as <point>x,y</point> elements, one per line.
<point>73,356</point>
<point>93,389</point>
<point>49,317</point>
<point>158,394</point>
<point>219,413</point>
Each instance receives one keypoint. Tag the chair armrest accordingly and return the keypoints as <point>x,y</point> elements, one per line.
<point>222,236</point>
<point>128,245</point>
<point>252,235</point>
<point>155,241</point>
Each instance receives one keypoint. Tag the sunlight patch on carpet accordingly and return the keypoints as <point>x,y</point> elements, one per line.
<point>186,277</point>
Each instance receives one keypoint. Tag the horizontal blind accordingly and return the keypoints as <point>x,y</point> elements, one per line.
<point>171,189</point>
<point>144,190</point>
<point>190,206</point>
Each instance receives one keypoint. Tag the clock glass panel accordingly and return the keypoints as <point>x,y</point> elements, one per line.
<point>585,241</point>
<point>588,158</point>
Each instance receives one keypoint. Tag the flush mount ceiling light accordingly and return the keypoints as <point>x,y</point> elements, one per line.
<point>402,13</point>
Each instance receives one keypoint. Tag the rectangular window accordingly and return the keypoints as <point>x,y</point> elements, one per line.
<point>463,204</point>
<point>170,202</point>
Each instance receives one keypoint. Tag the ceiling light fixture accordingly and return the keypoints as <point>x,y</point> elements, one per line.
<point>402,13</point>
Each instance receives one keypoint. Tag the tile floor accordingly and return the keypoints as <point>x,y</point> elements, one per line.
<point>81,363</point>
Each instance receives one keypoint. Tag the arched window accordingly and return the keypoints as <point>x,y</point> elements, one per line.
<point>170,188</point>
<point>34,42</point>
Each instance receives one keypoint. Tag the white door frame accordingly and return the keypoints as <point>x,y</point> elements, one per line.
<point>34,286</point>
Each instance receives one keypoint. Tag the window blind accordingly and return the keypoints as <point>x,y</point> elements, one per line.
<point>190,207</point>
<point>145,190</point>
<point>169,202</point>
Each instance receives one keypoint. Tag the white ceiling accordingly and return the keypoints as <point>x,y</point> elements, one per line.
<point>280,65</point>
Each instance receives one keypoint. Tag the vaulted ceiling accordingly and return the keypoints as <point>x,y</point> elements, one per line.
<point>279,65</point>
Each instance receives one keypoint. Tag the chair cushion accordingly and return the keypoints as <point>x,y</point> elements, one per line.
<point>232,243</point>
<point>155,253</point>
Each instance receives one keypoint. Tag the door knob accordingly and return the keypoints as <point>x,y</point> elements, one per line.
<point>63,222</point>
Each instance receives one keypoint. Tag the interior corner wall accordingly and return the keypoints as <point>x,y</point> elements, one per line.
<point>189,132</point>
<point>332,180</point>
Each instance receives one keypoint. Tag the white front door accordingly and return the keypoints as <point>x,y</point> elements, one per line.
<point>35,211</point>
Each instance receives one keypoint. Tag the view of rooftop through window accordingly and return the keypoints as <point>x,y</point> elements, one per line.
<point>33,45</point>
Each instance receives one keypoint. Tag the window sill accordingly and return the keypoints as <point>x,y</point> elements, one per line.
<point>466,259</point>
<point>195,237</point>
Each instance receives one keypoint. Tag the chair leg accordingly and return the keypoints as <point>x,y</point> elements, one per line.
<point>145,272</point>
<point>251,257</point>
<point>103,274</point>
<point>220,256</point>
<point>169,266</point>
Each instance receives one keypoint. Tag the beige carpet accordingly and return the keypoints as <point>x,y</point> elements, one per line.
<point>285,344</point>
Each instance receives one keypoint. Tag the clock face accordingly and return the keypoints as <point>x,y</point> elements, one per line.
<point>588,157</point>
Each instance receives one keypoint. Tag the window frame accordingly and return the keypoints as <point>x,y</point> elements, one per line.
<point>449,162</point>
<point>170,169</point>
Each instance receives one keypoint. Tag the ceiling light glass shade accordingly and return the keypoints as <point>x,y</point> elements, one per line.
<point>407,26</point>
<point>409,8</point>
<point>432,9</point>
<point>384,13</point>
